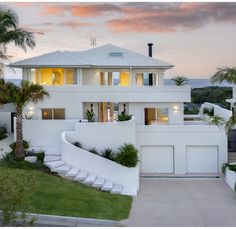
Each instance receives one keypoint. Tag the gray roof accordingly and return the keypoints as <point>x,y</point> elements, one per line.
<point>104,56</point>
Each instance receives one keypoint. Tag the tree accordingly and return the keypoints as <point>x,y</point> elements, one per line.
<point>224,74</point>
<point>180,80</point>
<point>10,32</point>
<point>20,96</point>
<point>229,75</point>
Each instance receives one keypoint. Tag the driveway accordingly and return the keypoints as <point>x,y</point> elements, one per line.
<point>183,202</point>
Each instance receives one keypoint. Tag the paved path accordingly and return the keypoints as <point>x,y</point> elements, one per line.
<point>4,144</point>
<point>183,202</point>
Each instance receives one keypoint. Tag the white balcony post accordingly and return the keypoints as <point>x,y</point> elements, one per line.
<point>79,76</point>
<point>160,78</point>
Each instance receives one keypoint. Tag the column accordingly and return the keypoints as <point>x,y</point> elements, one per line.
<point>133,80</point>
<point>160,78</point>
<point>79,76</point>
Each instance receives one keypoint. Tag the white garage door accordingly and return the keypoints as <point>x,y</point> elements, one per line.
<point>202,159</point>
<point>157,159</point>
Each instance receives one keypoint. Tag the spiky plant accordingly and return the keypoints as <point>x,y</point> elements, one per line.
<point>90,116</point>
<point>216,120</point>
<point>123,117</point>
<point>180,80</point>
<point>108,154</point>
<point>224,74</point>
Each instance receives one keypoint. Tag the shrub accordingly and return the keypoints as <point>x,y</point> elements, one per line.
<point>93,150</point>
<point>2,135</point>
<point>208,111</point>
<point>127,155</point>
<point>90,116</point>
<point>3,129</point>
<point>108,154</point>
<point>13,145</point>
<point>123,117</point>
<point>18,186</point>
<point>78,144</point>
<point>40,155</point>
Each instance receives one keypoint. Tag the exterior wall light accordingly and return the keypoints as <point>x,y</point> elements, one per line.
<point>176,109</point>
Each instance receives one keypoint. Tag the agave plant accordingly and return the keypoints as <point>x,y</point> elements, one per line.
<point>180,80</point>
<point>208,111</point>
<point>90,116</point>
<point>93,150</point>
<point>108,154</point>
<point>217,121</point>
<point>123,117</point>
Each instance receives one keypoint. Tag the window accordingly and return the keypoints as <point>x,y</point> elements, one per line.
<point>116,54</point>
<point>156,116</point>
<point>55,113</point>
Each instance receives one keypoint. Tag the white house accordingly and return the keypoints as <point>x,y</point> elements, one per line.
<point>108,80</point>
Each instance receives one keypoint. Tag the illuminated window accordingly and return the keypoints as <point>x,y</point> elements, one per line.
<point>56,113</point>
<point>156,116</point>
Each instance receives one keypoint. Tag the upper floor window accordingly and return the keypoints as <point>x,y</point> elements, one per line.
<point>115,78</point>
<point>54,76</point>
<point>53,113</point>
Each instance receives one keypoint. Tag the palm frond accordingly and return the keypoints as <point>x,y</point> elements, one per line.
<point>180,80</point>
<point>217,121</point>
<point>224,74</point>
<point>230,123</point>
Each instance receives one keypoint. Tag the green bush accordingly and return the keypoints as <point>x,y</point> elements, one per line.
<point>123,117</point>
<point>208,111</point>
<point>13,145</point>
<point>108,154</point>
<point>93,150</point>
<point>127,155</point>
<point>2,136</point>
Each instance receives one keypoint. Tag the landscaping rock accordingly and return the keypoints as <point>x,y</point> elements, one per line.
<point>31,159</point>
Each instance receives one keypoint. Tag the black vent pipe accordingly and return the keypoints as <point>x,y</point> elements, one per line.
<point>150,55</point>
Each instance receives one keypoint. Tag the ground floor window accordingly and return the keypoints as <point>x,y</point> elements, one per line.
<point>156,116</point>
<point>53,113</point>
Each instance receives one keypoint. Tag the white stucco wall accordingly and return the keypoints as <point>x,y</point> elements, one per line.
<point>103,135</point>
<point>46,133</point>
<point>5,120</point>
<point>180,137</point>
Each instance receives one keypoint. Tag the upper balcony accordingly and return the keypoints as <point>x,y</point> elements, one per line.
<point>106,85</point>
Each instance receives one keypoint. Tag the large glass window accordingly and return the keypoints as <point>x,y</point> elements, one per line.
<point>54,76</point>
<point>115,78</point>
<point>53,113</point>
<point>156,116</point>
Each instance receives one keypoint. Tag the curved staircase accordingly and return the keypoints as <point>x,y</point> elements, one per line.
<point>56,164</point>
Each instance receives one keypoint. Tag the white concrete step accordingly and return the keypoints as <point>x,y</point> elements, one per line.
<point>129,191</point>
<point>90,179</point>
<point>62,169</point>
<point>108,185</point>
<point>51,158</point>
<point>117,188</point>
<point>81,176</point>
<point>54,164</point>
<point>99,182</point>
<point>72,172</point>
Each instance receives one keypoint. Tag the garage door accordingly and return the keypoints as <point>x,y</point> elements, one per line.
<point>202,159</point>
<point>157,159</point>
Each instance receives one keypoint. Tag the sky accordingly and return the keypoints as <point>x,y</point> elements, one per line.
<point>196,38</point>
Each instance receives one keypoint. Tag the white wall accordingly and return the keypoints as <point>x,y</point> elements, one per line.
<point>175,117</point>
<point>180,137</point>
<point>101,167</point>
<point>222,112</point>
<point>5,120</point>
<point>46,133</point>
<point>103,135</point>
<point>72,97</point>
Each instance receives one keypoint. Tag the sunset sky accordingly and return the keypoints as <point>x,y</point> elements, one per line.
<point>195,37</point>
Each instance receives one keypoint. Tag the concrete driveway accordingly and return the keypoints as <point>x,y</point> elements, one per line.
<point>183,202</point>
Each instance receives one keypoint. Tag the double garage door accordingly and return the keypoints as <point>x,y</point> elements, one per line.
<point>197,159</point>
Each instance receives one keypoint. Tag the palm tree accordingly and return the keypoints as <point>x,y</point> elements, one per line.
<point>20,96</point>
<point>10,32</point>
<point>180,80</point>
<point>229,75</point>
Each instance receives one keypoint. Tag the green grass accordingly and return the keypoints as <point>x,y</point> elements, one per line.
<point>58,196</point>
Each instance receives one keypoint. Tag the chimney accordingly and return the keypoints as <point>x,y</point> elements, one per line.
<point>150,49</point>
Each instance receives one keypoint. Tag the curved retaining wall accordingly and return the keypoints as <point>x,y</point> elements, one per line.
<point>102,167</point>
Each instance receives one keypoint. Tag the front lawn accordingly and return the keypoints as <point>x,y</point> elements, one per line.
<point>58,196</point>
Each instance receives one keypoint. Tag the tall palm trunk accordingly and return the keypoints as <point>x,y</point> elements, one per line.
<point>19,135</point>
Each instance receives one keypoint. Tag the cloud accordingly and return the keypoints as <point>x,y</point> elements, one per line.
<point>82,10</point>
<point>171,17</point>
